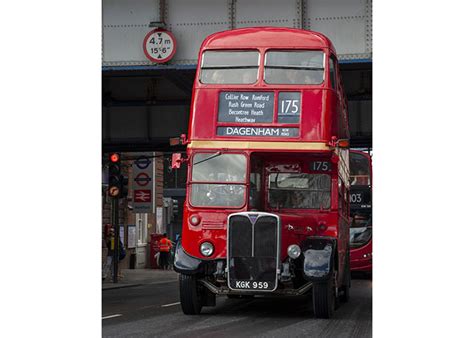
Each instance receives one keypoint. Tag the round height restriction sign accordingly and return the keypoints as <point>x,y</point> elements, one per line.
<point>159,45</point>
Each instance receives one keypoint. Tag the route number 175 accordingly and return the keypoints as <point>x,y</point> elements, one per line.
<point>320,166</point>
<point>289,106</point>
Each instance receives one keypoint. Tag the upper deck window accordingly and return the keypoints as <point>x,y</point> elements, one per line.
<point>332,71</point>
<point>229,67</point>
<point>294,67</point>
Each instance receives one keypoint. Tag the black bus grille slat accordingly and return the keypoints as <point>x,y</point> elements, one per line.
<point>241,229</point>
<point>265,237</point>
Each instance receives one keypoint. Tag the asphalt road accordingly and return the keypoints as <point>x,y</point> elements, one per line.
<point>154,310</point>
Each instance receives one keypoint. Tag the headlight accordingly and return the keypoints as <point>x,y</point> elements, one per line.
<point>195,220</point>
<point>294,251</point>
<point>207,249</point>
<point>360,236</point>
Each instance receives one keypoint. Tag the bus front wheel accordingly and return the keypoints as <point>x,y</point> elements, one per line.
<point>189,294</point>
<point>324,299</point>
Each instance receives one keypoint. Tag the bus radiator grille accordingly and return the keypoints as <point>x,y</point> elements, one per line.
<point>253,251</point>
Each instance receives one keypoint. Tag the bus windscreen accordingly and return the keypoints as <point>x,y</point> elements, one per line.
<point>218,180</point>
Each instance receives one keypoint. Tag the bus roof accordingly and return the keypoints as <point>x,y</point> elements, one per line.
<point>267,37</point>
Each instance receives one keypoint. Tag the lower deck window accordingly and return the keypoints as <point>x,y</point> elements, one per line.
<point>214,195</point>
<point>299,191</point>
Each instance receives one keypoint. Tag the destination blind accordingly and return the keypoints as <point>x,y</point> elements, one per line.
<point>258,131</point>
<point>246,107</point>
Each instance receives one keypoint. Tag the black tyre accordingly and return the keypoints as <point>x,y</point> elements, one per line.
<point>189,295</point>
<point>324,299</point>
<point>346,287</point>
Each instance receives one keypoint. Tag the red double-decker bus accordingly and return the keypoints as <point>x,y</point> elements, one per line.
<point>361,211</point>
<point>267,203</point>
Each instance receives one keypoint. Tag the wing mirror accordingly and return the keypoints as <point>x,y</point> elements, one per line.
<point>176,160</point>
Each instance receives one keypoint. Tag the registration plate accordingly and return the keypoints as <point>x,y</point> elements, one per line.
<point>249,285</point>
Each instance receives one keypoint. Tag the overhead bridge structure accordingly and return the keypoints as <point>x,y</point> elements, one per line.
<point>145,103</point>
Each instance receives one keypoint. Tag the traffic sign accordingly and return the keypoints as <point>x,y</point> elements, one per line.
<point>159,45</point>
<point>142,196</point>
<point>143,182</point>
<point>142,162</point>
<point>142,179</point>
<point>114,191</point>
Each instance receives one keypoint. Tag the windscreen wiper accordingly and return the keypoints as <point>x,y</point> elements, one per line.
<point>209,158</point>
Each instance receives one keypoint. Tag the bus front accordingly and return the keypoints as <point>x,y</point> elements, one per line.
<point>361,211</point>
<point>266,209</point>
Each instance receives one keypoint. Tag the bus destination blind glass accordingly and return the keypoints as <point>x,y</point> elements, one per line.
<point>246,107</point>
<point>258,107</point>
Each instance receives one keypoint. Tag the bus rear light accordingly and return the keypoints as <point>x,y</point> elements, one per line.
<point>195,220</point>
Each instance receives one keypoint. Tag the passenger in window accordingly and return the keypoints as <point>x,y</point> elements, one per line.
<point>360,179</point>
<point>297,200</point>
<point>218,77</point>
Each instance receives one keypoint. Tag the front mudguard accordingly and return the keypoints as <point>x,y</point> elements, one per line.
<point>184,263</point>
<point>318,258</point>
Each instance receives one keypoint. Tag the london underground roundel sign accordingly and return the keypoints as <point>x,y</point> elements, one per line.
<point>159,45</point>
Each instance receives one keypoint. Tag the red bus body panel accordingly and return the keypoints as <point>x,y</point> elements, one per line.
<point>361,258</point>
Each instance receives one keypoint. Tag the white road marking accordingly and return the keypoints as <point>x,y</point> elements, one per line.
<point>171,304</point>
<point>112,316</point>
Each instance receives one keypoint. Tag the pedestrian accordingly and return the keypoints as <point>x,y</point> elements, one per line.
<point>164,248</point>
<point>108,237</point>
